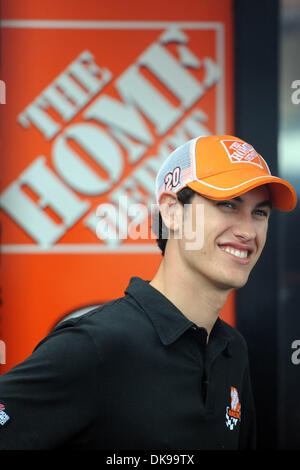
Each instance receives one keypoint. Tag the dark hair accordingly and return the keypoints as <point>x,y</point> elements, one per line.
<point>184,196</point>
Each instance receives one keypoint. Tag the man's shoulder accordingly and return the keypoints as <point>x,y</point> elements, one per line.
<point>107,326</point>
<point>94,314</point>
<point>90,337</point>
<point>112,312</point>
<point>103,315</point>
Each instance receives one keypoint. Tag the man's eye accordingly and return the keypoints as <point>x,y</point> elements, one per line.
<point>228,204</point>
<point>261,213</point>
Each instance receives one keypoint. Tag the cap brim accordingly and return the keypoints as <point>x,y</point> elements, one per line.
<point>234,183</point>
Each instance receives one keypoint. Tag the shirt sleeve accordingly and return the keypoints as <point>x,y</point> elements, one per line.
<point>50,397</point>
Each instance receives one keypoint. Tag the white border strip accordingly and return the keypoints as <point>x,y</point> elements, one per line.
<point>78,248</point>
<point>220,101</point>
<point>71,24</point>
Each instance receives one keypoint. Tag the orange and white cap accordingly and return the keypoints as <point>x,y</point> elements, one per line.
<point>221,167</point>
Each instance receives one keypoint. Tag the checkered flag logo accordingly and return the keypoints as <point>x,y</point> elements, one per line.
<point>3,418</point>
<point>230,421</point>
<point>233,413</point>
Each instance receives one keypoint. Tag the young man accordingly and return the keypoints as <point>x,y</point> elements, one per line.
<point>157,368</point>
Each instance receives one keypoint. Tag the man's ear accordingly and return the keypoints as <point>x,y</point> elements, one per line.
<point>171,211</point>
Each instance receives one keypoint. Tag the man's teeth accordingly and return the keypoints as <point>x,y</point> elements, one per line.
<point>238,253</point>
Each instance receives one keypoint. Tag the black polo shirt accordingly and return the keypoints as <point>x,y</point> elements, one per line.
<point>132,374</point>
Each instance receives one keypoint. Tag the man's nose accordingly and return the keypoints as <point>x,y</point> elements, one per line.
<point>244,229</point>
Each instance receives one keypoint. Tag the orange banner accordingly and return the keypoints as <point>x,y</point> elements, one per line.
<point>96,98</point>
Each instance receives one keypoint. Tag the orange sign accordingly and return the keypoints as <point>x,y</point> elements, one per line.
<point>93,107</point>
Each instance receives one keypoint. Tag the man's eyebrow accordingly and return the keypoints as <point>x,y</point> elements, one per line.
<point>266,203</point>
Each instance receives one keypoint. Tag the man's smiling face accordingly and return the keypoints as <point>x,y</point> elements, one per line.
<point>235,232</point>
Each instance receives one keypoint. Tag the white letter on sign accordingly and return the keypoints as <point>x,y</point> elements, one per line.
<point>135,89</point>
<point>98,145</point>
<point>184,86</point>
<point>53,193</point>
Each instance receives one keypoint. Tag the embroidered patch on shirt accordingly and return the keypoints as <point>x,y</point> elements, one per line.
<point>3,416</point>
<point>233,414</point>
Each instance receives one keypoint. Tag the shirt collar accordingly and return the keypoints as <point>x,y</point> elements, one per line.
<point>166,318</point>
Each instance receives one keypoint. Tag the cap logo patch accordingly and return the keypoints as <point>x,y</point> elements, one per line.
<point>241,152</point>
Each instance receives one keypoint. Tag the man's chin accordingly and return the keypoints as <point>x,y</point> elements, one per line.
<point>234,283</point>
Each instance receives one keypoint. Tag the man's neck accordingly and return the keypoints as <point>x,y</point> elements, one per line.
<point>198,300</point>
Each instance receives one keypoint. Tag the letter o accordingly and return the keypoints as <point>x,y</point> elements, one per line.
<point>100,147</point>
